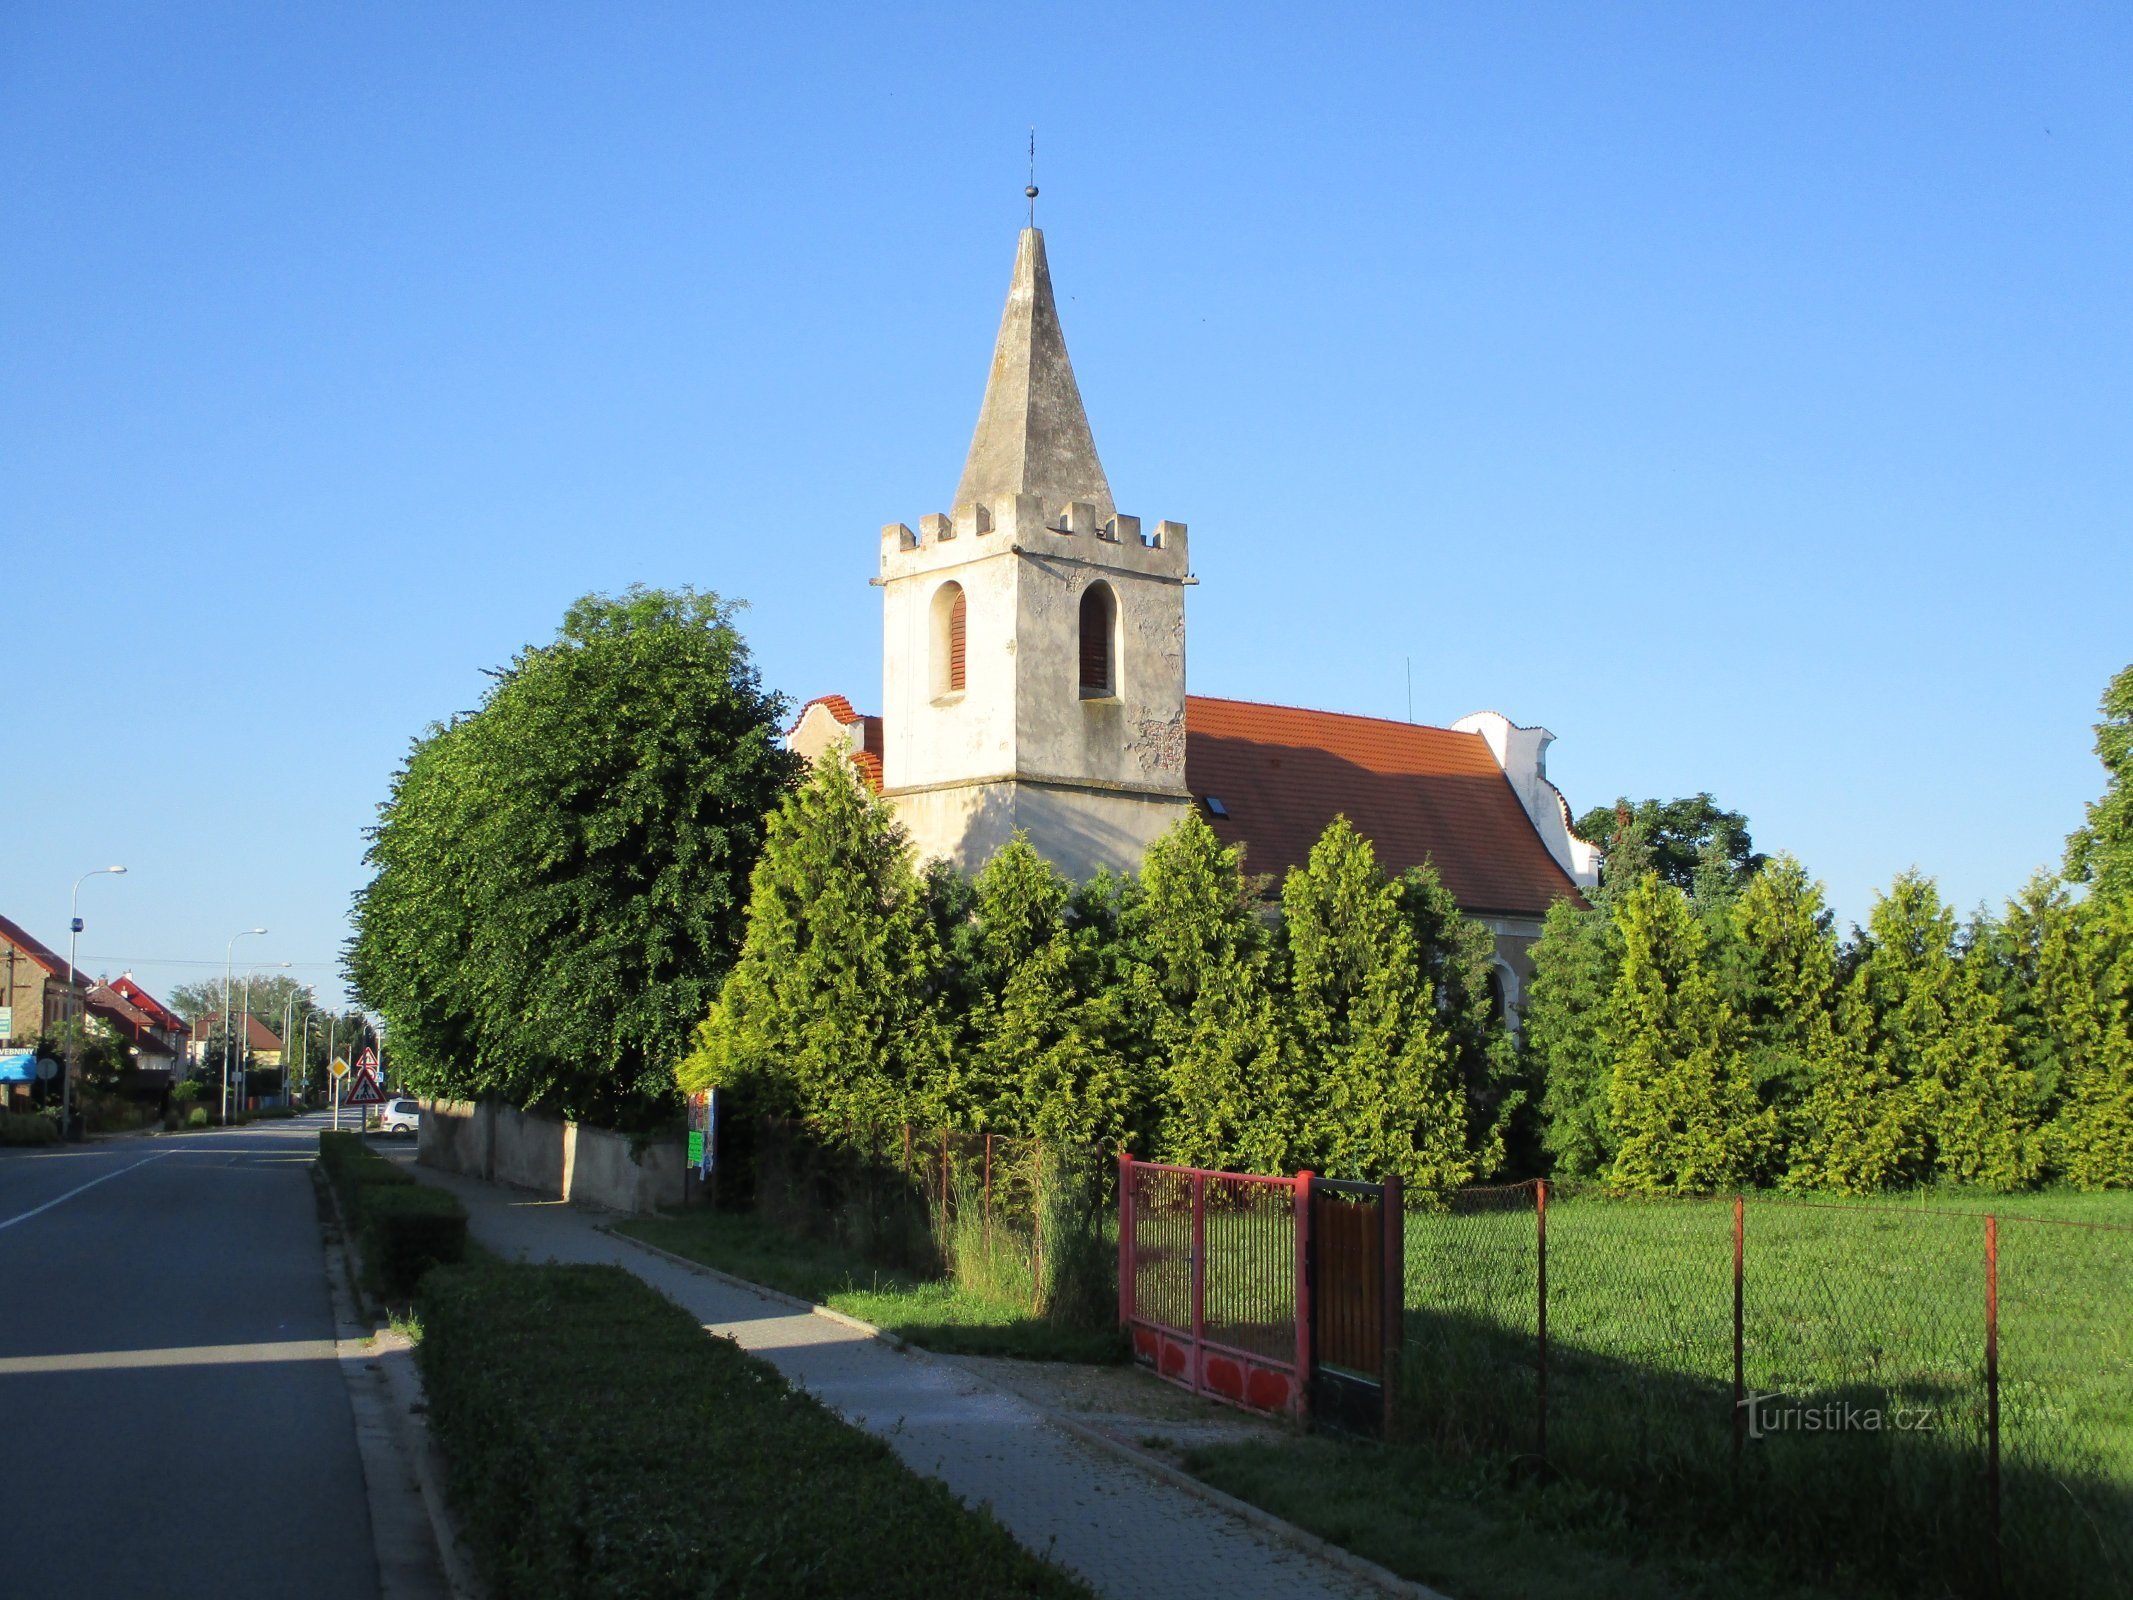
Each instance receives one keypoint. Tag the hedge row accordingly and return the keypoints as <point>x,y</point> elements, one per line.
<point>598,1443</point>
<point>402,1227</point>
<point>27,1127</point>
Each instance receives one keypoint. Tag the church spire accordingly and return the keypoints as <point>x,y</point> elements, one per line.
<point>1033,436</point>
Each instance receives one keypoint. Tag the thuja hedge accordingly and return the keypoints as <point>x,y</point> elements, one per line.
<point>598,1443</point>
<point>403,1228</point>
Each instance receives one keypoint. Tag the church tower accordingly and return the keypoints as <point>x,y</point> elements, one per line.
<point>1033,639</point>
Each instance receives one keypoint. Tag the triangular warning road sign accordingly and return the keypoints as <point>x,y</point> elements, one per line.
<point>366,1091</point>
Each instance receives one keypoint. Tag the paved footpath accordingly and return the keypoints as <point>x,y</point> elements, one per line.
<point>1124,1531</point>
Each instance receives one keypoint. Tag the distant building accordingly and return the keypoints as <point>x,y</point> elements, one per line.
<point>34,992</point>
<point>262,1041</point>
<point>156,1035</point>
<point>1033,679</point>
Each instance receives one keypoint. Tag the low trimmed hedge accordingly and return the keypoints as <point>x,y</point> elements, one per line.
<point>27,1127</point>
<point>599,1443</point>
<point>407,1230</point>
<point>402,1227</point>
<point>352,1166</point>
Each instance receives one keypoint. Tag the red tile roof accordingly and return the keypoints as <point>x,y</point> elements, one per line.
<point>835,704</point>
<point>257,1035</point>
<point>164,1017</point>
<point>15,934</point>
<point>1415,792</point>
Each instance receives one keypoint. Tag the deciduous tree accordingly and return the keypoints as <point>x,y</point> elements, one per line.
<point>559,876</point>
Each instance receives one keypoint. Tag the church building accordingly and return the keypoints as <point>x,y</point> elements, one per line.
<point>1033,678</point>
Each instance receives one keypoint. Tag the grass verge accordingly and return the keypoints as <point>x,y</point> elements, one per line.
<point>935,1314</point>
<point>598,1443</point>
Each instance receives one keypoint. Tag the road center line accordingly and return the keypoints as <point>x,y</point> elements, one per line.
<point>71,1193</point>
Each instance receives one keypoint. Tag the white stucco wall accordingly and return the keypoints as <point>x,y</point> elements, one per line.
<point>1090,779</point>
<point>1523,755</point>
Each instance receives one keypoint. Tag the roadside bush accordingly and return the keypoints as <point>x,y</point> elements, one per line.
<point>352,1167</point>
<point>598,1443</point>
<point>197,1117</point>
<point>27,1128</point>
<point>406,1230</point>
<point>402,1227</point>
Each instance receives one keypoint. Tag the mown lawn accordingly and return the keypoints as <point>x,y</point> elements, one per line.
<point>1863,1335</point>
<point>935,1314</point>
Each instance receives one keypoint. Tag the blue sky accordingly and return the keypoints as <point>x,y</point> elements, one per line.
<point>1742,392</point>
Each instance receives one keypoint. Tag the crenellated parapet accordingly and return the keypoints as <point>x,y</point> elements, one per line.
<point>1023,525</point>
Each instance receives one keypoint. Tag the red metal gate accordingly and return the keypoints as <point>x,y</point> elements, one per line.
<point>1212,1281</point>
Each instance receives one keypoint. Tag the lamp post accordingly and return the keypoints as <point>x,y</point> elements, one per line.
<point>66,1084</point>
<point>244,1058</point>
<point>288,1021</point>
<point>228,962</point>
<point>310,1017</point>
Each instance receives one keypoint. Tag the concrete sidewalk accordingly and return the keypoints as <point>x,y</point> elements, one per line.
<point>1125,1531</point>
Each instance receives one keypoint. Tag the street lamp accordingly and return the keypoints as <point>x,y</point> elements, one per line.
<point>288,1021</point>
<point>66,1084</point>
<point>244,1056</point>
<point>228,983</point>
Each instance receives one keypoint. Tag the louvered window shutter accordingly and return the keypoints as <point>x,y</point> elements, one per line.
<point>955,644</point>
<point>1095,642</point>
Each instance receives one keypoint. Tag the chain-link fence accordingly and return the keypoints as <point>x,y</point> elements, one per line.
<point>1019,1221</point>
<point>1939,1399</point>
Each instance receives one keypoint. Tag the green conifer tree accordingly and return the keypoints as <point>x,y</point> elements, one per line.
<point>1782,958</point>
<point>2085,988</point>
<point>1681,1106</point>
<point>1937,1030</point>
<point>1857,1130</point>
<point>1384,1093</point>
<point>2100,852</point>
<point>1040,1062</point>
<point>1563,1035</point>
<point>1199,983</point>
<point>1457,959</point>
<point>833,1009</point>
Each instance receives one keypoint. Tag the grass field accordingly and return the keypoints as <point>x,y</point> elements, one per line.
<point>1863,1332</point>
<point>985,1317</point>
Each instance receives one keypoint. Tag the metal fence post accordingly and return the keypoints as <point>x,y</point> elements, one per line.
<point>985,1215</point>
<point>1199,1275</point>
<point>1540,1276</point>
<point>1126,1264</point>
<point>1992,1390</point>
<point>1394,1301</point>
<point>1036,1226</point>
<point>946,1179</point>
<point>1740,1389</point>
<point>1303,1295</point>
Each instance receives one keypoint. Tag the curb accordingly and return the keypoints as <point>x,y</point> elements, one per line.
<point>364,1345</point>
<point>1302,1538</point>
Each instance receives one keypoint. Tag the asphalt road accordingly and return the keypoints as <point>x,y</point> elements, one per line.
<point>172,1418</point>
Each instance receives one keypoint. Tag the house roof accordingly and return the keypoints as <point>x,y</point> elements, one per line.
<point>163,1016</point>
<point>257,1035</point>
<point>137,1025</point>
<point>1417,793</point>
<point>18,936</point>
<point>835,704</point>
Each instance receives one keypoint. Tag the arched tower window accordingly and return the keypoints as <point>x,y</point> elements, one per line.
<point>1099,624</point>
<point>949,609</point>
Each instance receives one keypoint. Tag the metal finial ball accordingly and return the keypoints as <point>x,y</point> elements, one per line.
<point>1031,191</point>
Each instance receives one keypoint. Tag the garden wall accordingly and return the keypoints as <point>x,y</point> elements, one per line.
<point>561,1160</point>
